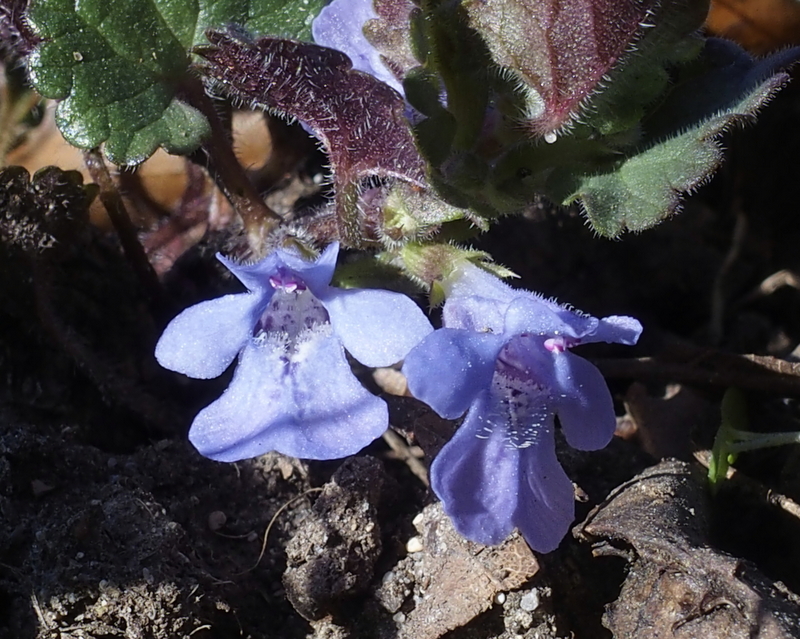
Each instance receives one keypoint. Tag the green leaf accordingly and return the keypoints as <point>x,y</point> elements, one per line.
<point>411,212</point>
<point>460,57</point>
<point>643,75</point>
<point>116,67</point>
<point>680,152</point>
<point>280,18</point>
<point>734,421</point>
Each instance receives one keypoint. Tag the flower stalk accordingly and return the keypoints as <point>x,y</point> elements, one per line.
<point>733,437</point>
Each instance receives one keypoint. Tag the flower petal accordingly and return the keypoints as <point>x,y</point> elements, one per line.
<point>204,339</point>
<point>377,327</point>
<point>617,329</point>
<point>316,274</point>
<point>451,367</point>
<point>340,25</point>
<point>477,477</point>
<point>254,276</point>
<point>530,313</point>
<point>467,280</point>
<point>546,504</point>
<point>582,402</point>
<point>312,408</point>
<point>476,300</point>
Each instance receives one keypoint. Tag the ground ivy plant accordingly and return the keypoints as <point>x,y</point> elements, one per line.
<point>437,118</point>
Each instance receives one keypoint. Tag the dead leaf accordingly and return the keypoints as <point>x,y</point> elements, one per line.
<point>677,586</point>
<point>664,425</point>
<point>760,26</point>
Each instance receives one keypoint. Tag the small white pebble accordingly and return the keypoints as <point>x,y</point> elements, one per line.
<point>414,545</point>
<point>500,598</point>
<point>529,601</point>
<point>400,617</point>
<point>79,556</point>
<point>417,521</point>
<point>391,381</point>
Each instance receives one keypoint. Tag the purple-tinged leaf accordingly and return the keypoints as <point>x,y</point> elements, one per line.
<point>358,119</point>
<point>557,50</point>
<point>15,34</point>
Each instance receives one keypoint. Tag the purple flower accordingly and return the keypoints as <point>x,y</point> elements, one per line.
<point>340,25</point>
<point>293,390</point>
<point>503,357</point>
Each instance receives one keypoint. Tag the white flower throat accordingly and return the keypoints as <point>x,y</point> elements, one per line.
<point>292,317</point>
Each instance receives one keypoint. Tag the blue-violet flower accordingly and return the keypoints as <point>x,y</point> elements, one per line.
<point>503,357</point>
<point>293,390</point>
<point>340,25</point>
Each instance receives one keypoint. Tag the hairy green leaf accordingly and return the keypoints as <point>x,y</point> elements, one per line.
<point>117,67</point>
<point>643,75</point>
<point>723,88</point>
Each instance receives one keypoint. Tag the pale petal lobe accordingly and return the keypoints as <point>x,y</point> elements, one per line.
<point>204,339</point>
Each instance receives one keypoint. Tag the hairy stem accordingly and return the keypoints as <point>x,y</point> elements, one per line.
<point>117,212</point>
<point>258,218</point>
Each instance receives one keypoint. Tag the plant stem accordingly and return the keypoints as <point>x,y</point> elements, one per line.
<point>117,212</point>
<point>347,214</point>
<point>746,440</point>
<point>258,218</point>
